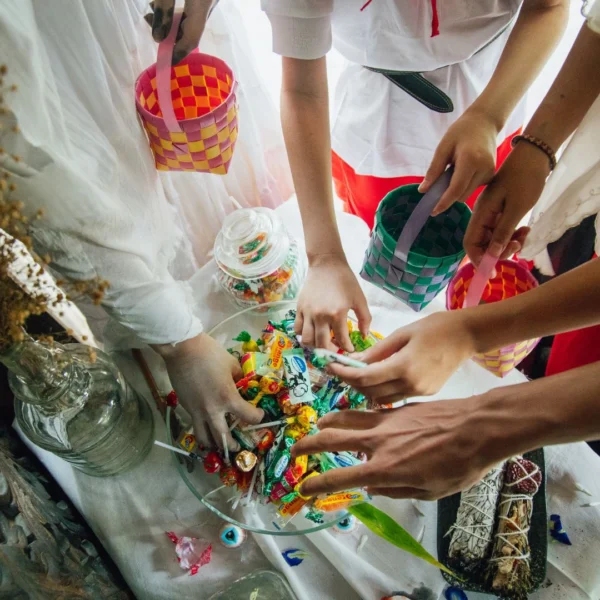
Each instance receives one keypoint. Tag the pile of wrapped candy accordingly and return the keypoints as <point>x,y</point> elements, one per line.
<point>289,383</point>
<point>490,540</point>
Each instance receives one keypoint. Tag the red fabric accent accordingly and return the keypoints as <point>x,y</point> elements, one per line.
<point>574,349</point>
<point>361,194</point>
<point>366,4</point>
<point>435,20</point>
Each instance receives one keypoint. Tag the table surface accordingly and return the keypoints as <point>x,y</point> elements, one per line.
<point>130,513</point>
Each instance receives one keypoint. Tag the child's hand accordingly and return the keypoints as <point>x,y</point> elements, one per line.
<point>203,376</point>
<point>414,361</point>
<point>330,291</point>
<point>470,146</point>
<point>191,27</point>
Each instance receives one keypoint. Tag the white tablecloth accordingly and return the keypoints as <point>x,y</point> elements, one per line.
<point>130,513</point>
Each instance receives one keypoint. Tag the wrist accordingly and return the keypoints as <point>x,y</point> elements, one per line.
<point>333,258</point>
<point>484,112</point>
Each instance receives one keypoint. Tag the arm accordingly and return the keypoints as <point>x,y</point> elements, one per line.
<point>305,121</point>
<point>470,144</point>
<point>408,364</point>
<point>521,179</point>
<point>429,450</point>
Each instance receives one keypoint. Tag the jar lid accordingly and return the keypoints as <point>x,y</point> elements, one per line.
<point>252,243</point>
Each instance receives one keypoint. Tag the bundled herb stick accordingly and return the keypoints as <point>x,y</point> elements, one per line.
<point>509,568</point>
<point>473,530</point>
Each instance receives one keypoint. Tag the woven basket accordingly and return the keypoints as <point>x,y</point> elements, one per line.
<point>416,276</point>
<point>512,278</point>
<point>196,129</point>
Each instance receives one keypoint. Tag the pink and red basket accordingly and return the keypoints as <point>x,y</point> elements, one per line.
<point>512,278</point>
<point>189,111</point>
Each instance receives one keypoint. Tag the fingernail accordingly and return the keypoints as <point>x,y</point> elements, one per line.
<point>495,249</point>
<point>423,186</point>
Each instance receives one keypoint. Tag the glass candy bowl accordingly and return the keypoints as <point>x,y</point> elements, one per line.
<point>256,517</point>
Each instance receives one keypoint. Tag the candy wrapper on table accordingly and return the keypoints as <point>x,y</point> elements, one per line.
<point>283,377</point>
<point>258,261</point>
<point>509,568</point>
<point>192,553</point>
<point>472,533</point>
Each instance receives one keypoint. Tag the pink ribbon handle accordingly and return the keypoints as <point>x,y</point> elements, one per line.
<point>480,278</point>
<point>163,76</point>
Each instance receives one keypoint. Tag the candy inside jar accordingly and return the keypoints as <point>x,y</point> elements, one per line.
<point>258,261</point>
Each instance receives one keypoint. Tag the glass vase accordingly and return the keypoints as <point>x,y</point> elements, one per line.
<point>74,402</point>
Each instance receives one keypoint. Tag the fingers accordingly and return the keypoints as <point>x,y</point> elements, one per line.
<point>308,333</point>
<point>162,19</point>
<point>441,159</point>
<point>341,333</point>
<point>201,432</point>
<point>503,233</point>
<point>363,314</point>
<point>367,377</point>
<point>386,347</point>
<point>398,492</point>
<point>246,411</point>
<point>218,427</point>
<point>337,480</point>
<point>517,242</point>
<point>196,14</point>
<point>322,334</point>
<point>350,419</point>
<point>299,323</point>
<point>483,221</point>
<point>329,440</point>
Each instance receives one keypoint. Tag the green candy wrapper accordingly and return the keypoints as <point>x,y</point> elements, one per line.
<point>359,342</point>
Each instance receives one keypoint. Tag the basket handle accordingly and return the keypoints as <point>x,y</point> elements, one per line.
<point>420,214</point>
<point>482,275</point>
<point>163,76</point>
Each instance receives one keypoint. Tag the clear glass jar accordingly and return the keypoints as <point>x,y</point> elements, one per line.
<point>258,261</point>
<point>74,403</point>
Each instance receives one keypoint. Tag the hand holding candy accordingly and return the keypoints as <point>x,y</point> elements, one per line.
<point>203,375</point>
<point>322,308</point>
<point>407,363</point>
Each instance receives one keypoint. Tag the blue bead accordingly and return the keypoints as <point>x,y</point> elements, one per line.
<point>232,536</point>
<point>454,593</point>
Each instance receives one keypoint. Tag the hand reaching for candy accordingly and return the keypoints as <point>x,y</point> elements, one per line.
<point>323,307</point>
<point>203,376</point>
<point>191,27</point>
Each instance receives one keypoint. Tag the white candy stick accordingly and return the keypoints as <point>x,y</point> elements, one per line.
<point>225,450</point>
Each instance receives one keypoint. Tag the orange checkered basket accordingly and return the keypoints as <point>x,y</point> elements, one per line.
<point>189,111</point>
<point>511,279</point>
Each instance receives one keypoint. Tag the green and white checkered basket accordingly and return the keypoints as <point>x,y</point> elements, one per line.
<point>411,255</point>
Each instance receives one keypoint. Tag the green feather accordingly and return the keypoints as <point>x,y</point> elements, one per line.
<point>385,527</point>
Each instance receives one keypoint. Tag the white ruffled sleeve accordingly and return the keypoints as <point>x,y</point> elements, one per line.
<point>301,28</point>
<point>84,160</point>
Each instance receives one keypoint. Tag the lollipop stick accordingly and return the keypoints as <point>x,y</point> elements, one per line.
<point>270,424</point>
<point>178,450</point>
<point>225,450</point>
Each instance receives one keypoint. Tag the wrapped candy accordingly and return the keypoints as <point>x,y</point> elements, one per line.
<point>472,533</point>
<point>509,568</point>
<point>296,376</point>
<point>192,553</point>
<point>245,461</point>
<point>269,384</point>
<point>248,344</point>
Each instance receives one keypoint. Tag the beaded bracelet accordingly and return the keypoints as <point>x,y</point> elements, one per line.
<point>538,144</point>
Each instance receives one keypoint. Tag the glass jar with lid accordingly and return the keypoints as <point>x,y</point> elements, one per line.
<point>258,261</point>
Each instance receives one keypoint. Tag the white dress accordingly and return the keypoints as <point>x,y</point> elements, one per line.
<point>572,192</point>
<point>86,161</point>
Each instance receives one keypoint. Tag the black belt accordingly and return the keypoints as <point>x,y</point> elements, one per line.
<point>419,88</point>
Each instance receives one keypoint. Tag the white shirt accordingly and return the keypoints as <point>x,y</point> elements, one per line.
<point>402,134</point>
<point>87,163</point>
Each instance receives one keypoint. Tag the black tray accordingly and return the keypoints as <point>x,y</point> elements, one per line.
<point>538,535</point>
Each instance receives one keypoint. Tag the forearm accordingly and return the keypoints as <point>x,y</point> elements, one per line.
<point>538,29</point>
<point>554,410</point>
<point>572,94</point>
<point>570,301</point>
<point>305,121</point>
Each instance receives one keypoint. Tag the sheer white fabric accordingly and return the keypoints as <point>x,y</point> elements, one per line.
<point>573,190</point>
<point>86,161</point>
